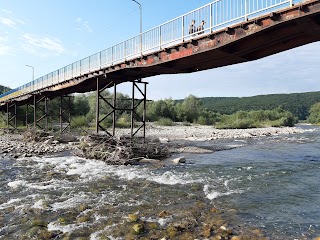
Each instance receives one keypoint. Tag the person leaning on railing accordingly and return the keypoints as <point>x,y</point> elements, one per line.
<point>192,27</point>
<point>201,27</point>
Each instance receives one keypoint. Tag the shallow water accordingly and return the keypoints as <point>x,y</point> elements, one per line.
<point>271,184</point>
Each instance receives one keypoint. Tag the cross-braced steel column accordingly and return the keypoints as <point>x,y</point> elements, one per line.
<point>41,111</point>
<point>134,114</point>
<point>65,113</point>
<point>12,115</point>
<point>111,105</point>
<point>135,103</point>
<point>28,113</point>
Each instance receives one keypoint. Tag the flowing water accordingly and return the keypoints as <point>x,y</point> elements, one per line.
<point>270,184</point>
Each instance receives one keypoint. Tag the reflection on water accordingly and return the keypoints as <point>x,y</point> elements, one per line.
<point>271,184</point>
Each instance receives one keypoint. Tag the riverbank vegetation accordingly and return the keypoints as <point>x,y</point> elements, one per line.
<point>223,113</point>
<point>314,112</point>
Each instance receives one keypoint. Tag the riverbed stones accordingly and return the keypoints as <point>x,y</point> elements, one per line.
<point>236,238</point>
<point>179,160</point>
<point>133,218</point>
<point>138,228</point>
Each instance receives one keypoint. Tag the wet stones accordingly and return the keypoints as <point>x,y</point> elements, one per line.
<point>138,228</point>
<point>133,218</point>
<point>14,146</point>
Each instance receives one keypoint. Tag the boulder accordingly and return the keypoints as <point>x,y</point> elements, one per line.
<point>133,218</point>
<point>138,228</point>
<point>179,160</point>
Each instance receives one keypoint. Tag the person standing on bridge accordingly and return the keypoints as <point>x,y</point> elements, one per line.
<point>201,27</point>
<point>192,27</point>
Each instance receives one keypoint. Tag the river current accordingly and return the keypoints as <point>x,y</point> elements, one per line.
<point>270,184</point>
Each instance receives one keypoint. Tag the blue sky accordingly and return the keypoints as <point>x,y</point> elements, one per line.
<point>51,34</point>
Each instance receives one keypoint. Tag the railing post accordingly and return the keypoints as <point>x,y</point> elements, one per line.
<point>182,29</point>
<point>211,17</point>
<point>160,40</point>
<point>291,3</point>
<point>246,10</point>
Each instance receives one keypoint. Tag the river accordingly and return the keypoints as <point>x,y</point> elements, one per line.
<point>266,187</point>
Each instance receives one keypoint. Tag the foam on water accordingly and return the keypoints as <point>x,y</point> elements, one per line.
<point>213,194</point>
<point>90,170</point>
<point>55,226</point>
<point>74,201</point>
<point>10,203</point>
<point>39,204</point>
<point>17,183</point>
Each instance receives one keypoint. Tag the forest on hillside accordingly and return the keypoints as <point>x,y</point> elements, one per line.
<point>296,103</point>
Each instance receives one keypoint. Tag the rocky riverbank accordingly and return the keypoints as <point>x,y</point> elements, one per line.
<point>208,133</point>
<point>17,145</point>
<point>179,139</point>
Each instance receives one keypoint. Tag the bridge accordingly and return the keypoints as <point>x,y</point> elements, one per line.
<point>233,31</point>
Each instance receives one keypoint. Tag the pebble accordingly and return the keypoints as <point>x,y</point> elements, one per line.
<point>15,147</point>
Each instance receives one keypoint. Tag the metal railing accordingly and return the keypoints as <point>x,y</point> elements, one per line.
<point>216,15</point>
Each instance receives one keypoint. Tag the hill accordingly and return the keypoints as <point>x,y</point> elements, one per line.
<point>296,103</point>
<point>3,89</point>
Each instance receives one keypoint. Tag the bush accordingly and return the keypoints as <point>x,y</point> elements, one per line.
<point>253,119</point>
<point>314,112</point>
<point>124,121</point>
<point>3,123</point>
<point>165,122</point>
<point>79,122</point>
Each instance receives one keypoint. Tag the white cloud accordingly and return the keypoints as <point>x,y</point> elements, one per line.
<point>83,25</point>
<point>8,22</point>
<point>42,46</point>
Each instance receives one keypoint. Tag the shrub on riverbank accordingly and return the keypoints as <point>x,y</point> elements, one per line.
<point>254,119</point>
<point>314,116</point>
<point>79,122</point>
<point>165,122</point>
<point>2,121</point>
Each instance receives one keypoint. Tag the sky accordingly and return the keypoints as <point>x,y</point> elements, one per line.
<point>49,35</point>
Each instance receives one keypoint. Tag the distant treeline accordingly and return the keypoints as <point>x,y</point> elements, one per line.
<point>296,103</point>
<point>222,112</point>
<point>4,89</point>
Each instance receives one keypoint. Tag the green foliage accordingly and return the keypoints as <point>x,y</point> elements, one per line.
<point>4,89</point>
<point>314,116</point>
<point>269,118</point>
<point>160,109</point>
<point>296,103</point>
<point>189,110</point>
<point>79,122</point>
<point>165,122</point>
<point>2,120</point>
<point>81,105</point>
<point>124,121</point>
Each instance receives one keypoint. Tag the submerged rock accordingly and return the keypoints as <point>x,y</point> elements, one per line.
<point>179,160</point>
<point>138,228</point>
<point>133,218</point>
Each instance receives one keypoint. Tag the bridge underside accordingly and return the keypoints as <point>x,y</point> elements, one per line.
<point>248,41</point>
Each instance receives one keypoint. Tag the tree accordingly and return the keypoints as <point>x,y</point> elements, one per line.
<point>81,105</point>
<point>190,109</point>
<point>314,116</point>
